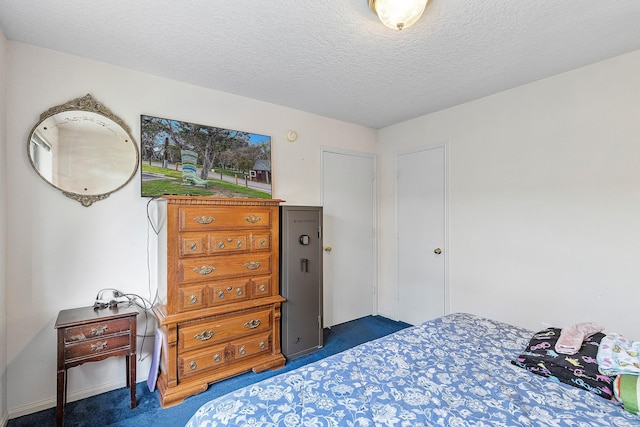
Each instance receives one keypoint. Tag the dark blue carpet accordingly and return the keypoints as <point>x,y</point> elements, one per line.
<point>112,408</point>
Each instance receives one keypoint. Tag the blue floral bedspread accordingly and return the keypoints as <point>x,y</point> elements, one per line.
<point>453,371</point>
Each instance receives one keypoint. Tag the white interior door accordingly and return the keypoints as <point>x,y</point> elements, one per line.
<point>421,216</point>
<point>348,199</point>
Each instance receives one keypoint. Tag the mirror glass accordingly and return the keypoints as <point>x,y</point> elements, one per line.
<point>83,149</point>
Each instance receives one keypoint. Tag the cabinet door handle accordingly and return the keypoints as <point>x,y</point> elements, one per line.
<point>242,350</point>
<point>204,219</point>
<point>205,335</point>
<point>253,219</point>
<point>205,269</point>
<point>193,365</point>
<point>193,299</point>
<point>252,265</point>
<point>99,330</point>
<point>252,324</point>
<point>99,346</point>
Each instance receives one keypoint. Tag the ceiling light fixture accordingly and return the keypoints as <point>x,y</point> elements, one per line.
<point>398,14</point>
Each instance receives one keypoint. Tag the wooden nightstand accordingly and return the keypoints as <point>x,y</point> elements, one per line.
<point>89,335</point>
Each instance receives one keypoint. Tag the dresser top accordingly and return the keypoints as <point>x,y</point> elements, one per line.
<point>82,315</point>
<point>219,201</point>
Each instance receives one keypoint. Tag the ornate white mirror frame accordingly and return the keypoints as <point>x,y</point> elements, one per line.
<point>83,149</point>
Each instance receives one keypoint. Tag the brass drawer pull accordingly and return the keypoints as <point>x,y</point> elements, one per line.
<point>193,365</point>
<point>204,219</point>
<point>98,346</point>
<point>205,335</point>
<point>99,330</point>
<point>252,324</point>
<point>205,269</point>
<point>242,350</point>
<point>252,265</point>
<point>252,219</point>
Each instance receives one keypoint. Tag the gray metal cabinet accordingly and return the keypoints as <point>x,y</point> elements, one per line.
<point>301,279</point>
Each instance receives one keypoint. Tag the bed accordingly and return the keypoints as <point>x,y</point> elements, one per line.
<point>452,371</point>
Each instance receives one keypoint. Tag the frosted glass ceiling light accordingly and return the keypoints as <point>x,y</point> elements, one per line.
<point>398,14</point>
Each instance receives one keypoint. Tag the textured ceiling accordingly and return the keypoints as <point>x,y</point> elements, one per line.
<point>334,58</point>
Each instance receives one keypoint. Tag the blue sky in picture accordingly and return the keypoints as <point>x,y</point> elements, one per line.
<point>256,139</point>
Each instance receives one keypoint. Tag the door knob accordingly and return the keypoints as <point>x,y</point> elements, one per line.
<point>327,248</point>
<point>437,251</point>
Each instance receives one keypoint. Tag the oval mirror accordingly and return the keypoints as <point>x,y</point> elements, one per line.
<point>83,149</point>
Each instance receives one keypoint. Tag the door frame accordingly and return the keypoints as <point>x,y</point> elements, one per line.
<point>374,214</point>
<point>447,240</point>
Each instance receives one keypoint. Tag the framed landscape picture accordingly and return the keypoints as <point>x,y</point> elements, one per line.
<point>185,158</point>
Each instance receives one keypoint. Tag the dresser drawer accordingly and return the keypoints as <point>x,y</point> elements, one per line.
<point>227,291</point>
<point>90,348</point>
<point>251,346</point>
<point>194,362</point>
<point>192,297</point>
<point>93,330</point>
<point>261,241</point>
<point>225,328</point>
<point>260,287</point>
<point>220,267</point>
<point>194,244</point>
<point>229,242</point>
<point>212,218</point>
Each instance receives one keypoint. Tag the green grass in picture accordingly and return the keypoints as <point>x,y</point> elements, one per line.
<point>174,185</point>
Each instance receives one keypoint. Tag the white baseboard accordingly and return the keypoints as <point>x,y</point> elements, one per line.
<point>71,397</point>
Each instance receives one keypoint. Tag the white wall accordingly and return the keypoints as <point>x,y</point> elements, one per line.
<point>544,203</point>
<point>3,231</point>
<point>62,253</point>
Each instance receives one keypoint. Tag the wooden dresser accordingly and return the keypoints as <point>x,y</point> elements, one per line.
<point>219,302</point>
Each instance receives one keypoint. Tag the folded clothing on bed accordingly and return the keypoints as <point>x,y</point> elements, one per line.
<point>617,355</point>
<point>578,370</point>
<point>572,337</point>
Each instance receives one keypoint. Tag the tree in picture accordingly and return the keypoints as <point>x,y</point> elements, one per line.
<point>188,158</point>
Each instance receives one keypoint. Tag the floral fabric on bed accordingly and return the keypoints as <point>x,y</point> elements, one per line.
<point>453,371</point>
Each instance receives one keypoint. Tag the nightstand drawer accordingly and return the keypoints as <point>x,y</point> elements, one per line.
<point>224,328</point>
<point>91,348</point>
<point>93,330</point>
